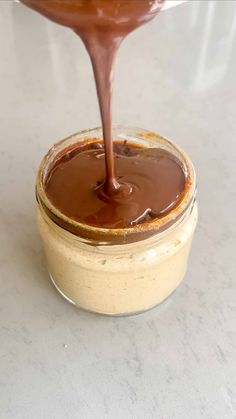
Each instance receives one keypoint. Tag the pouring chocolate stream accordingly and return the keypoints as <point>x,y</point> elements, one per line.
<point>102,25</point>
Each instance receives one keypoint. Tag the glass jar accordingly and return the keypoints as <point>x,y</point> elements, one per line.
<point>117,271</point>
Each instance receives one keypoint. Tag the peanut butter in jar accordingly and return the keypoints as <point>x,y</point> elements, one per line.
<point>117,271</point>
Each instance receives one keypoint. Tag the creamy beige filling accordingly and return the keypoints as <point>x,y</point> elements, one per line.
<point>117,279</point>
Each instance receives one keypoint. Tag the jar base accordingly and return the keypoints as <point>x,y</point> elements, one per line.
<point>132,313</point>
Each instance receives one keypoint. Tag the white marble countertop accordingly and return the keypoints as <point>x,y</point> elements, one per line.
<point>175,76</point>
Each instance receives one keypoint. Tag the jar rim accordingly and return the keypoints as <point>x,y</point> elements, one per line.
<point>99,235</point>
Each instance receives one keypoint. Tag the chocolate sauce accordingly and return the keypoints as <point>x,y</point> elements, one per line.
<point>152,184</point>
<point>110,185</point>
<point>102,25</point>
